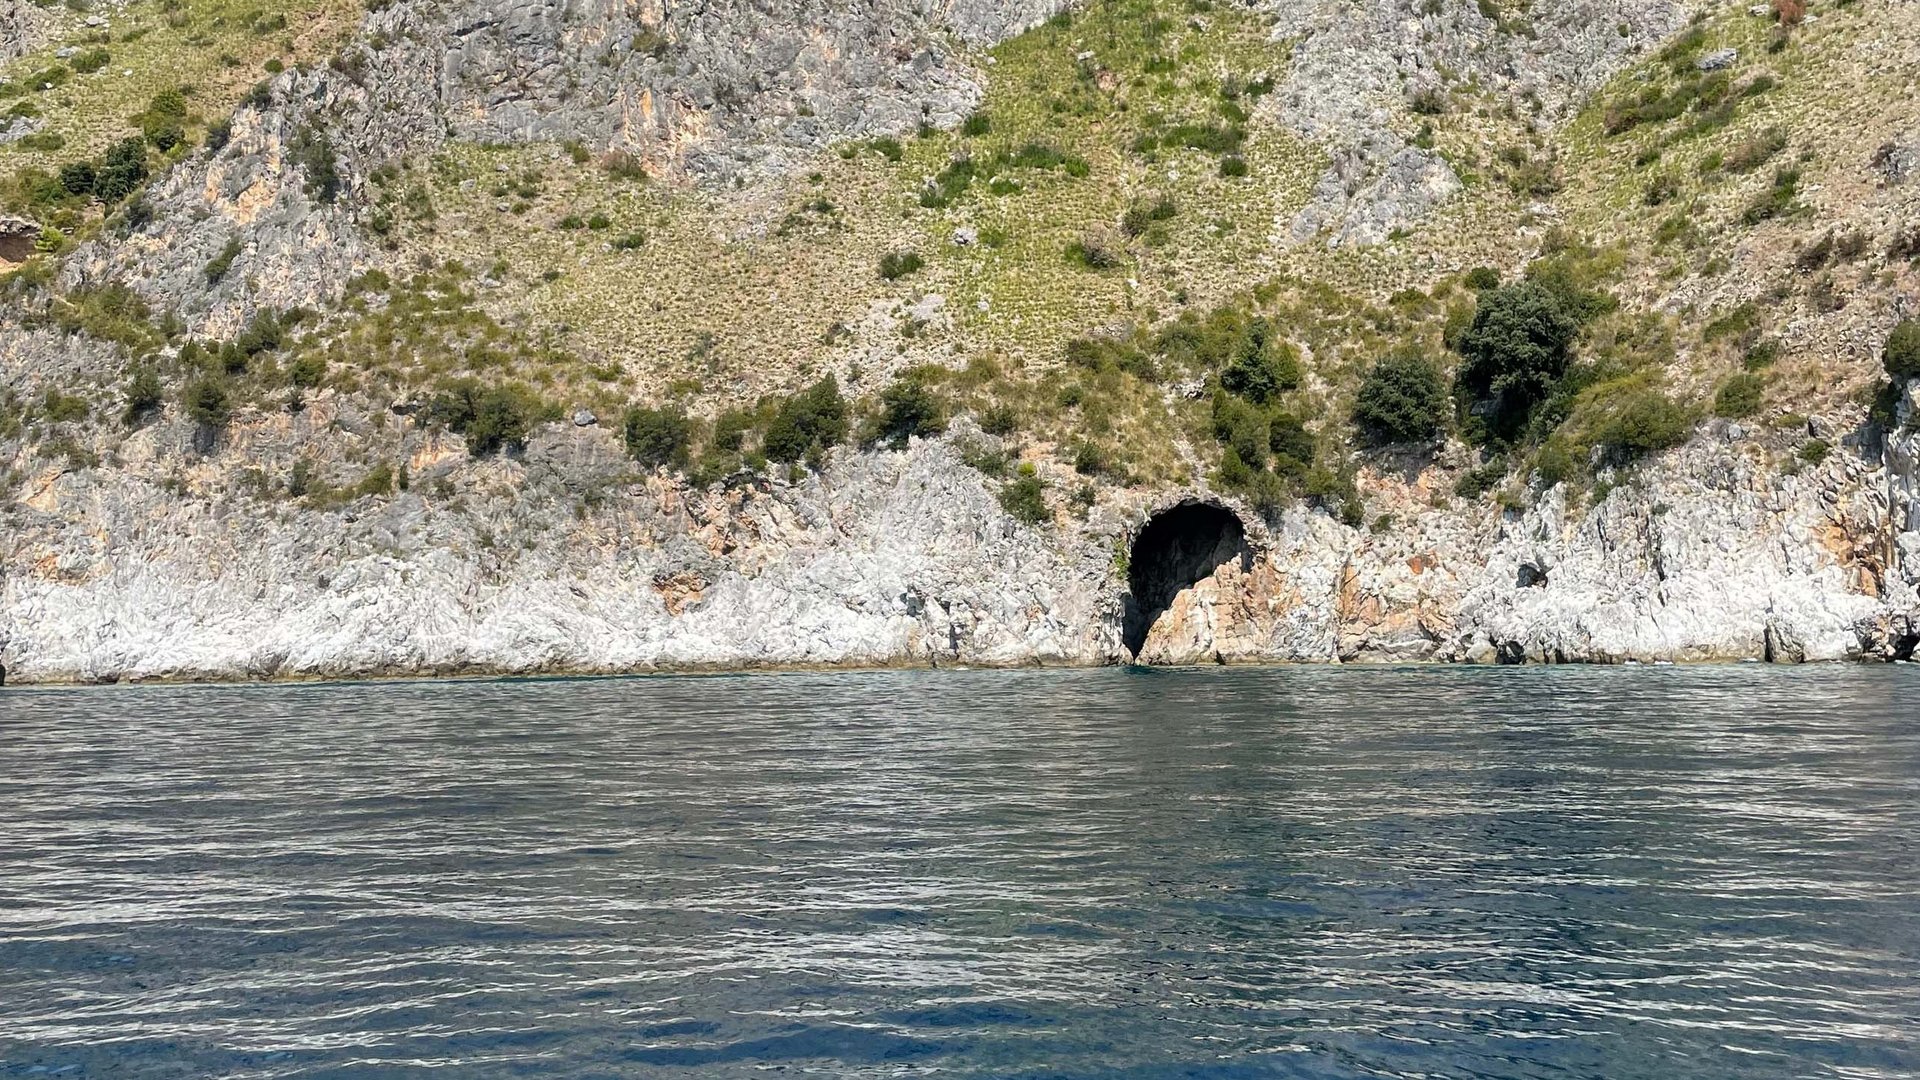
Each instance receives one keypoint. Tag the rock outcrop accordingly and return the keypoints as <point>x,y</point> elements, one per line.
<point>907,557</point>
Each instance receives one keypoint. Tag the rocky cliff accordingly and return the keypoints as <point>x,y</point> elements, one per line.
<point>246,430</point>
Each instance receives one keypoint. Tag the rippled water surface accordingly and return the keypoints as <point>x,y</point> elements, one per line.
<point>1655,873</point>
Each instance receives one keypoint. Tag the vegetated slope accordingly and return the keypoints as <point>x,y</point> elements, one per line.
<point>1359,259</point>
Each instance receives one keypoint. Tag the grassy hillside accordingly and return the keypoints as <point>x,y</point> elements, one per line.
<point>1096,267</point>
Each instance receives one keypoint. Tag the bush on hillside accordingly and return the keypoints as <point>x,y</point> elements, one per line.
<point>1402,399</point>
<point>1901,357</point>
<point>1263,366</point>
<point>1025,498</point>
<point>898,264</point>
<point>657,437</point>
<point>1641,420</point>
<point>122,170</point>
<point>491,418</point>
<point>209,402</point>
<point>1512,355</point>
<point>1739,396</point>
<point>808,423</point>
<point>909,408</point>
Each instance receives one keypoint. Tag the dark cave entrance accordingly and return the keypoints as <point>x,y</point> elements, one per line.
<point>1178,547</point>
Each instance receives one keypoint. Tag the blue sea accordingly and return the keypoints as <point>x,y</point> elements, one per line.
<point>1425,873</point>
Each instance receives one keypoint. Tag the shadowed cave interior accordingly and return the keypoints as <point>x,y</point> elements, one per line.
<point>1177,548</point>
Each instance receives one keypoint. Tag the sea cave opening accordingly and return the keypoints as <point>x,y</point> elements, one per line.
<point>1176,549</point>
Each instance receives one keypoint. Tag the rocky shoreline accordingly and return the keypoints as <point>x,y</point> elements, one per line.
<point>1711,552</point>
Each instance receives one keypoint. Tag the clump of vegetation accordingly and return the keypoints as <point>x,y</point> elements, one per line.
<point>1513,356</point>
<point>1402,399</point>
<point>1901,357</point>
<point>216,269</point>
<point>1263,366</point>
<point>163,123</point>
<point>658,437</point>
<point>908,409</point>
<point>312,152</point>
<point>145,395</point>
<point>1739,396</point>
<point>1025,498</point>
<point>895,265</point>
<point>209,401</point>
<point>493,419</point>
<point>1637,419</point>
<point>808,424</point>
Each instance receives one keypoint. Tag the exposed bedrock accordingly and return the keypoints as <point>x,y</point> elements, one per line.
<point>907,557</point>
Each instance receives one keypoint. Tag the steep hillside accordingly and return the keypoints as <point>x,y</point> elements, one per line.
<point>601,332</point>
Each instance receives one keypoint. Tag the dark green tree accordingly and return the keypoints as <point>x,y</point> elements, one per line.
<point>657,437</point>
<point>1402,399</point>
<point>811,421</point>
<point>1512,355</point>
<point>909,408</point>
<point>122,170</point>
<point>209,402</point>
<point>1902,355</point>
<point>1263,366</point>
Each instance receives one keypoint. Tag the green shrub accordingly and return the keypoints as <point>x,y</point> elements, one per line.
<point>976,125</point>
<point>1292,445</point>
<point>492,418</point>
<point>1482,278</point>
<point>59,408</point>
<point>1641,421</point>
<point>1739,396</point>
<point>908,408</point>
<point>1555,462</point>
<point>657,437</point>
<point>1025,498</point>
<point>1244,431</point>
<point>378,481</point>
<point>1093,253</point>
<point>90,61</point>
<point>144,395</point>
<point>1263,367</point>
<point>730,430</point>
<point>209,402</point>
<point>163,122</point>
<point>1402,399</point>
<point>122,170</point>
<point>1901,357</point>
<point>312,152</point>
<point>1141,217</point>
<point>808,423</point>
<point>1512,355</point>
<point>217,266</point>
<point>307,371</point>
<point>78,178</point>
<point>895,265</point>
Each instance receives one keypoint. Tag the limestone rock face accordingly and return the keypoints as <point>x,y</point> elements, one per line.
<point>907,557</point>
<point>893,557</point>
<point>23,27</point>
<point>710,91</point>
<point>1353,65</point>
<point>1372,190</point>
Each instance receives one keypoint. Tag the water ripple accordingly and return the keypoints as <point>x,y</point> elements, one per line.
<point>1303,873</point>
